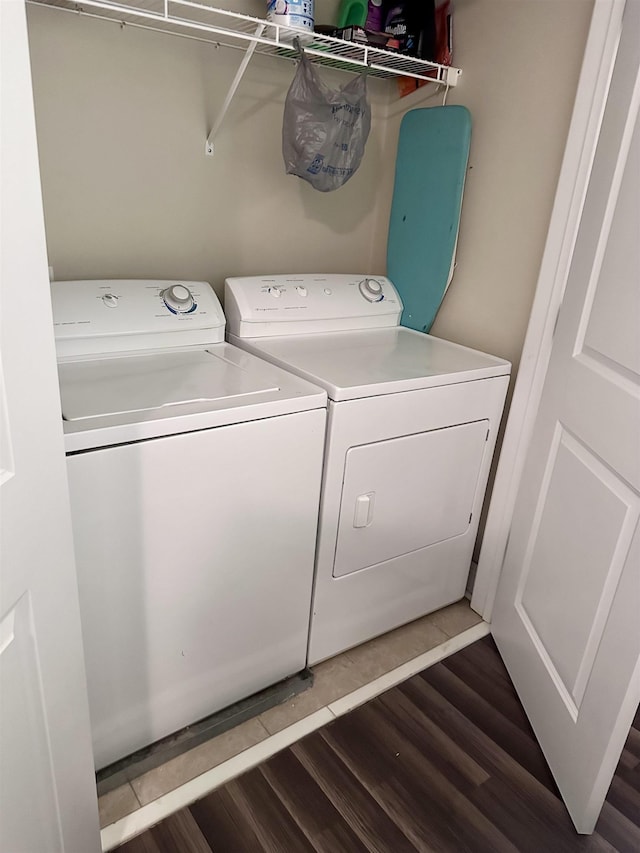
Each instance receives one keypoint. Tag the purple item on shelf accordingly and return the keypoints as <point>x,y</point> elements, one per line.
<point>375,19</point>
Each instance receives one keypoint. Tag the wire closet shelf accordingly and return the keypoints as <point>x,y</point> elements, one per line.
<point>203,21</point>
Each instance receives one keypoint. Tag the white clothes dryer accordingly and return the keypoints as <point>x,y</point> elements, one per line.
<point>194,473</point>
<point>412,426</point>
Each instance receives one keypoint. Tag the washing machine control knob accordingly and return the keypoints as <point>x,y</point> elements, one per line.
<point>178,299</point>
<point>371,290</point>
<point>110,300</point>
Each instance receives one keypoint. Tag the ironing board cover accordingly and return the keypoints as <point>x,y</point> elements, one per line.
<point>433,151</point>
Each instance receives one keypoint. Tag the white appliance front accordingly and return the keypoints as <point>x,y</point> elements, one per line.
<point>195,565</point>
<point>403,485</point>
<point>411,431</point>
<point>194,475</point>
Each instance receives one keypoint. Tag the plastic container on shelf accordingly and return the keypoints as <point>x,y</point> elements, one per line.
<point>291,13</point>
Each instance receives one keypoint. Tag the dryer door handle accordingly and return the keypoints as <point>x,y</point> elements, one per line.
<point>363,515</point>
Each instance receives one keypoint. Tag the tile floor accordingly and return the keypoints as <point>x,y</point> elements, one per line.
<point>334,679</point>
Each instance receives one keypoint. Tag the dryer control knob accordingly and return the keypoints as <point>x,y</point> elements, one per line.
<point>178,299</point>
<point>371,290</point>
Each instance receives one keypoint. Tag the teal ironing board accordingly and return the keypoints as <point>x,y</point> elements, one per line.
<point>433,152</point>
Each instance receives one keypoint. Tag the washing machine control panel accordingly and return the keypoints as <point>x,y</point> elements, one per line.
<point>260,306</point>
<point>371,289</point>
<point>179,299</point>
<point>127,315</point>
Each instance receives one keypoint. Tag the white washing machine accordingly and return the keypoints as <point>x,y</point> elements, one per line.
<point>412,426</point>
<point>194,473</point>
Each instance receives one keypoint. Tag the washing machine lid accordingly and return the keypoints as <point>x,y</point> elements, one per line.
<point>118,386</point>
<point>350,365</point>
<point>117,399</point>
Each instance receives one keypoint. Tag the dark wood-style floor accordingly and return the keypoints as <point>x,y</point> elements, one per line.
<point>444,762</point>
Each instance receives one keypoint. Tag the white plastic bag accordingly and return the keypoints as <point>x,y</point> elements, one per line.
<point>324,130</point>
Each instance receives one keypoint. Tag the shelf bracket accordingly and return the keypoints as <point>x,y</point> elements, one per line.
<point>208,149</point>
<point>451,76</point>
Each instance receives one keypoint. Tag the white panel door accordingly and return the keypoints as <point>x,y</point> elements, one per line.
<point>47,786</point>
<point>567,613</point>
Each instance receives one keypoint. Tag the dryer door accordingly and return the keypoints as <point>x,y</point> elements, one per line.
<point>407,493</point>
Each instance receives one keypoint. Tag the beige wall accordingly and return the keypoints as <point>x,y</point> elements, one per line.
<point>122,117</point>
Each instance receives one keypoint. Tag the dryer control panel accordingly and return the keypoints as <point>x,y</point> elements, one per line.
<point>264,306</point>
<point>129,315</point>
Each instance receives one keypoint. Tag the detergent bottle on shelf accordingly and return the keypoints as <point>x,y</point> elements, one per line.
<point>352,13</point>
<point>413,25</point>
<point>375,16</point>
